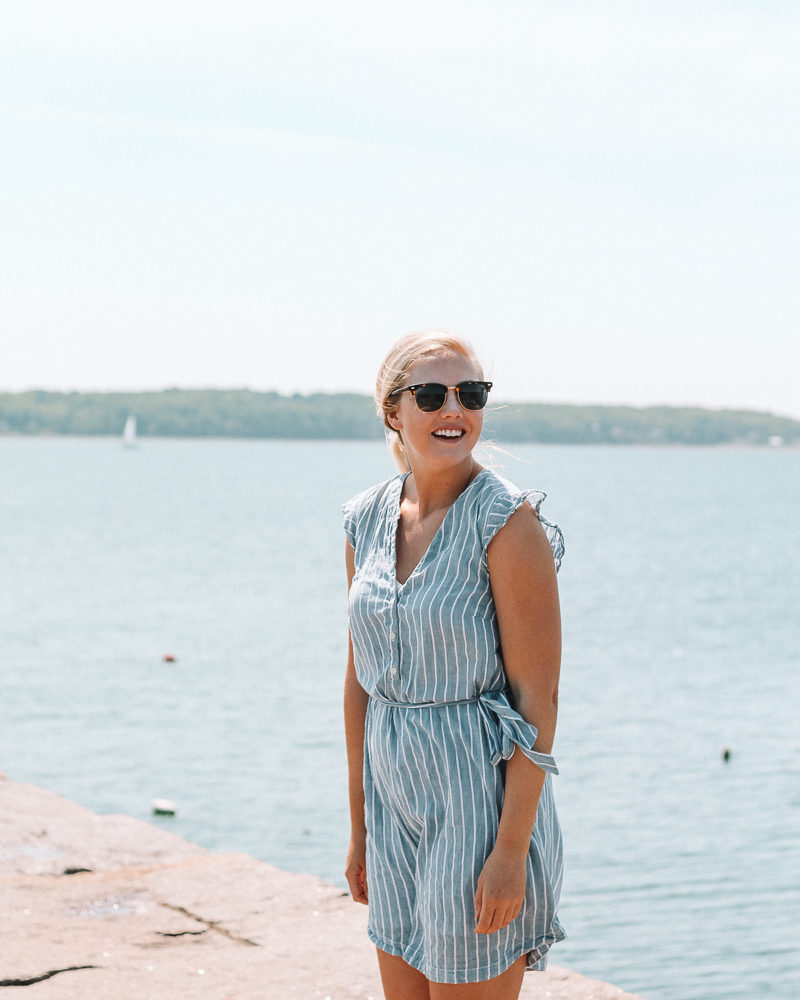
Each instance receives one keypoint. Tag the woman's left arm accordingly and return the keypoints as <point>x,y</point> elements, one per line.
<point>525,594</point>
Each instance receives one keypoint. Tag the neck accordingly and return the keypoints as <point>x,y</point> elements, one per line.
<point>434,489</point>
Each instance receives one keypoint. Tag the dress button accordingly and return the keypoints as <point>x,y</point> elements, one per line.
<point>392,637</point>
<point>393,671</point>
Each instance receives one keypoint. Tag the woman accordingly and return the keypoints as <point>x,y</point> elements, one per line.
<point>453,619</point>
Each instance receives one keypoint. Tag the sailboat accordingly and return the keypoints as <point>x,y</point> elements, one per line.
<point>129,434</point>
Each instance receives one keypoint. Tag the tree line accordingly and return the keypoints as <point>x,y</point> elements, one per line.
<point>243,413</point>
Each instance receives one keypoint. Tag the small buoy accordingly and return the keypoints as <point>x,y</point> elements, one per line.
<point>168,658</point>
<point>726,754</point>
<point>163,807</point>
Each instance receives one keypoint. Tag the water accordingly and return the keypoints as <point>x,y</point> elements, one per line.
<point>679,592</point>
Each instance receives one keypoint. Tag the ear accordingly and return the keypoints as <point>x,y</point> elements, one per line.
<point>394,421</point>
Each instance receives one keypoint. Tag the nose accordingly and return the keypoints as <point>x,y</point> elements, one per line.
<point>451,403</point>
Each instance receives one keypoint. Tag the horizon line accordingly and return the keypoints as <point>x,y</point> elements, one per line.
<point>368,395</point>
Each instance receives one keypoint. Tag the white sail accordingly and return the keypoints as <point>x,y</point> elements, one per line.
<point>129,434</point>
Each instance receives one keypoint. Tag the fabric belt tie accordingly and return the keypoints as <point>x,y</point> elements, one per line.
<point>504,727</point>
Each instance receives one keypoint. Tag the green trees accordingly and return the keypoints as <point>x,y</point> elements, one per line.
<point>241,413</point>
<point>566,424</point>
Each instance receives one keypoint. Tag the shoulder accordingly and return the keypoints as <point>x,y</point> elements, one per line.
<point>496,499</point>
<point>371,497</point>
<point>365,505</point>
<point>499,499</point>
<point>497,489</point>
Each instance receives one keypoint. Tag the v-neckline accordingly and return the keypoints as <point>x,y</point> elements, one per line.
<point>395,524</point>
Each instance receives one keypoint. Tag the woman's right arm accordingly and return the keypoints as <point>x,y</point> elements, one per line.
<point>355,714</point>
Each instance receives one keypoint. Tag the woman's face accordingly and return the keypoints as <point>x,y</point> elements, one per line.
<point>445,438</point>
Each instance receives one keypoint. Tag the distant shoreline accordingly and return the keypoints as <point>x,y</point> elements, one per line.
<point>243,414</point>
<point>664,445</point>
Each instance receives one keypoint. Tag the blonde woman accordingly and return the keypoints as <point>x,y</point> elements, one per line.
<point>451,695</point>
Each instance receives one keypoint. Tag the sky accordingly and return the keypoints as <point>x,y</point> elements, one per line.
<point>601,196</point>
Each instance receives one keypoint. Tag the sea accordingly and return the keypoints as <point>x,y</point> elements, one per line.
<point>678,740</point>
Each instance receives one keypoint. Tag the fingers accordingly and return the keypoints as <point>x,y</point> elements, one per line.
<point>357,882</point>
<point>485,911</point>
<point>358,892</point>
<point>486,921</point>
<point>493,916</point>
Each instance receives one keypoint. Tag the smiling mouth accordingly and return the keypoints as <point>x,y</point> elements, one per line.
<point>449,433</point>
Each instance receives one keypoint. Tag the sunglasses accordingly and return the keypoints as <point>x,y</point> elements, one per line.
<point>431,396</point>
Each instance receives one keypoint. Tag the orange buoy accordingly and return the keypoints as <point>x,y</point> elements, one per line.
<point>168,658</point>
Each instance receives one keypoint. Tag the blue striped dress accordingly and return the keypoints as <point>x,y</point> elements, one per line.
<point>439,727</point>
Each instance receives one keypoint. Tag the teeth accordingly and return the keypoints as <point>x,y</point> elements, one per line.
<point>448,433</point>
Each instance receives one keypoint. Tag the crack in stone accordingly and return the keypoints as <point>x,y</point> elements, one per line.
<point>46,975</point>
<point>212,925</point>
<point>180,933</point>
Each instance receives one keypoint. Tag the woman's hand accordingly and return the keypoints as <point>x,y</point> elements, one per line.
<point>355,714</point>
<point>501,890</point>
<point>355,871</point>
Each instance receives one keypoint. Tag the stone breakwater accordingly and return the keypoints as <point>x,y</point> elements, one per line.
<point>111,908</point>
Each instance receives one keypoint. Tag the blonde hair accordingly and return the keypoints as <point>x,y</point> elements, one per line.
<point>393,374</point>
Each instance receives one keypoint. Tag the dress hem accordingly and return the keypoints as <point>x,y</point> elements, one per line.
<point>536,961</point>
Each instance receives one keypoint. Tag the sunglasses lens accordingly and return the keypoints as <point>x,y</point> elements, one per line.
<point>473,395</point>
<point>431,397</point>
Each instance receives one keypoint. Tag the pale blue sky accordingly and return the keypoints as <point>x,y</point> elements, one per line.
<point>603,196</point>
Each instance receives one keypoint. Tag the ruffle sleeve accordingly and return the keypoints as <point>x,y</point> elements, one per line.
<point>506,730</point>
<point>362,514</point>
<point>503,506</point>
<point>350,518</point>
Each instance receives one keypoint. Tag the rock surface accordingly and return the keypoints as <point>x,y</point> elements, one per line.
<point>157,918</point>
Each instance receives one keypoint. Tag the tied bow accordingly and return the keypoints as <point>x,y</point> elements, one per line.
<point>506,730</point>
